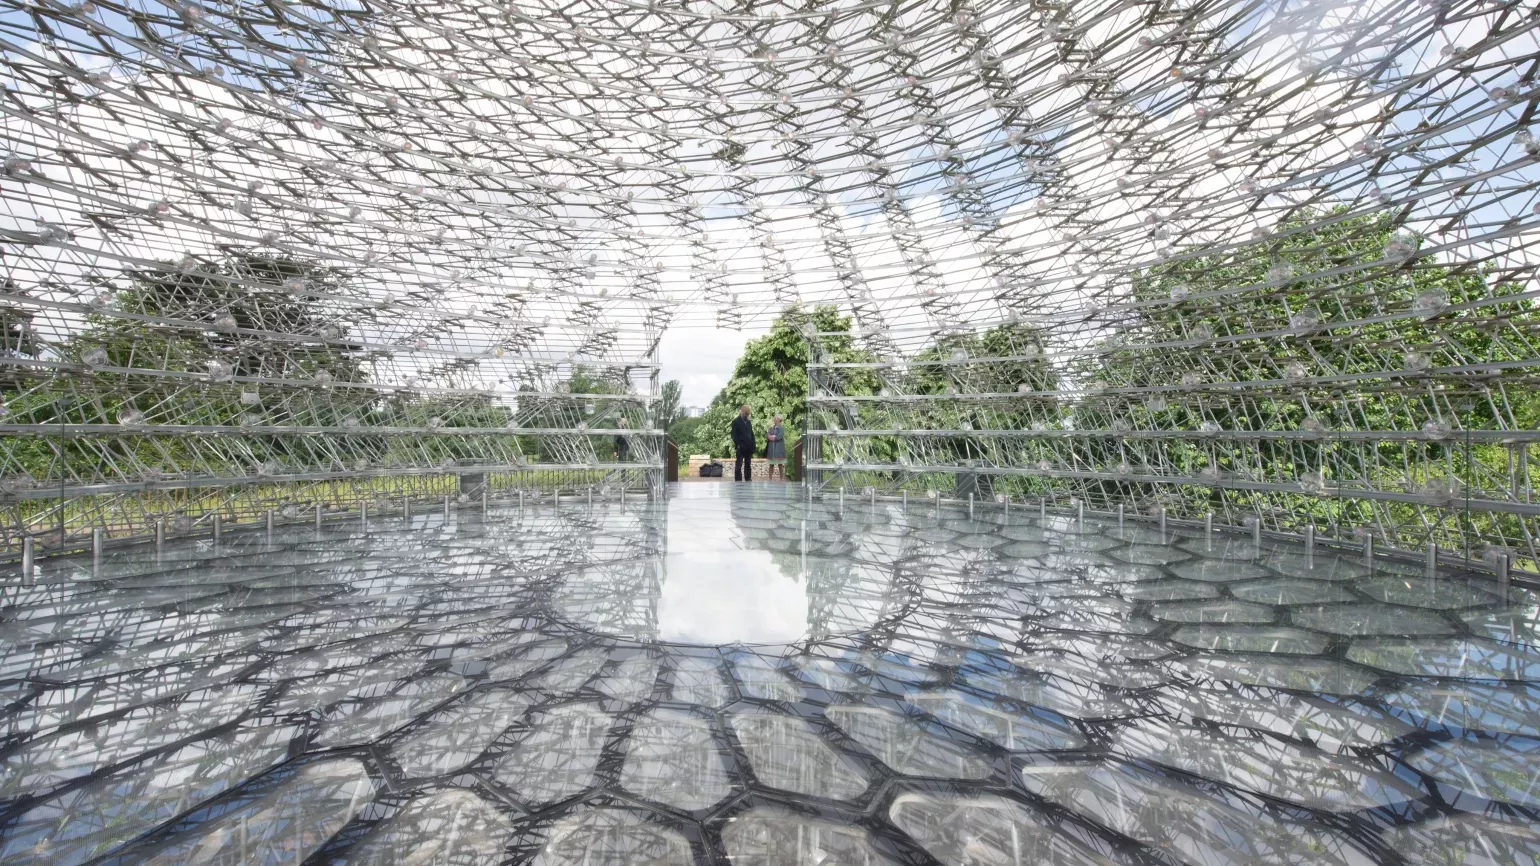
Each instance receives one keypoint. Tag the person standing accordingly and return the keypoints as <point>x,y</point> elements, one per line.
<point>743,444</point>
<point>622,444</point>
<point>775,448</point>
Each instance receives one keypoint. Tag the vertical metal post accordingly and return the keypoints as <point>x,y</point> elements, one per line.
<point>1368,551</point>
<point>1162,523</point>
<point>483,501</point>
<point>1080,514</point>
<point>906,502</point>
<point>874,497</point>
<point>970,505</point>
<point>590,496</point>
<point>1042,509</point>
<point>27,556</point>
<point>1432,560</point>
<point>318,517</point>
<point>1310,542</point>
<point>268,517</point>
<point>1502,572</point>
<point>1007,509</point>
<point>842,497</point>
<point>218,527</point>
<point>1120,515</point>
<point>160,534</point>
<point>96,547</point>
<point>1256,533</point>
<point>1208,528</point>
<point>521,499</point>
<point>363,516</point>
<point>406,509</point>
<point>446,507</point>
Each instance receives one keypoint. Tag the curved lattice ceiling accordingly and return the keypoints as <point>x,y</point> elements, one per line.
<point>468,201</point>
<point>574,176</point>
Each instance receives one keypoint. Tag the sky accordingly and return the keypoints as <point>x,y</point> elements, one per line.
<point>702,359</point>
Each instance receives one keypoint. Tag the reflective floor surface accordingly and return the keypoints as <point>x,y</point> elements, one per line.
<point>738,676</point>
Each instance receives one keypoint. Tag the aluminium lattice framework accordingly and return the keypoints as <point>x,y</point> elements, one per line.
<point>1259,258</point>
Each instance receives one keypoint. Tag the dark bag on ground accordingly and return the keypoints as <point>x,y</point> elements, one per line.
<point>711,470</point>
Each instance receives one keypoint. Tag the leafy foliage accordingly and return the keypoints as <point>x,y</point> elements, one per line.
<point>771,378</point>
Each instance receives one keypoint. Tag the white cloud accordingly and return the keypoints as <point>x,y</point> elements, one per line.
<point>702,359</point>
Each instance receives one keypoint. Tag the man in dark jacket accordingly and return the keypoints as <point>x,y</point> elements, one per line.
<point>743,444</point>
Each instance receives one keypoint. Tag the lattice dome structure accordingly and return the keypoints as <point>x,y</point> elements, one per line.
<point>1144,342</point>
<point>1269,261</point>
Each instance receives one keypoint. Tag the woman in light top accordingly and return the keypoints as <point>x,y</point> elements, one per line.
<point>775,448</point>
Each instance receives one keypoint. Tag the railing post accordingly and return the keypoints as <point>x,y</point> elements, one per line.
<point>96,547</point>
<point>269,519</point>
<point>27,556</point>
<point>318,517</point>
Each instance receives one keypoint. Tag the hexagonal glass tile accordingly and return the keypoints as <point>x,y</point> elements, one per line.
<point>988,829</point>
<point>674,758</point>
<point>785,753</point>
<point>777,837</point>
<point>906,745</point>
<point>1190,824</point>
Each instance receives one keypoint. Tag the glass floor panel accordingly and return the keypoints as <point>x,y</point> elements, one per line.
<point>739,675</point>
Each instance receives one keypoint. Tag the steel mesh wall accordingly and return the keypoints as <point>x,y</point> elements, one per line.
<point>1260,259</point>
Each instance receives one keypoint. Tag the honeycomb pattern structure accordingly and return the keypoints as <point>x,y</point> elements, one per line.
<point>997,687</point>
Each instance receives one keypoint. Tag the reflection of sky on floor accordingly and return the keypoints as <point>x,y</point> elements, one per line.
<point>492,690</point>
<point>716,588</point>
<point>722,597</point>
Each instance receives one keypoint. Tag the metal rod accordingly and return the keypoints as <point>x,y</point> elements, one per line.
<point>363,516</point>
<point>842,497</point>
<point>1309,541</point>
<point>1502,572</point>
<point>1162,523</point>
<point>1256,532</point>
<point>318,517</point>
<point>1080,514</point>
<point>1208,527</point>
<point>874,496</point>
<point>1120,515</point>
<point>521,499</point>
<point>970,505</point>
<point>1042,508</point>
<point>906,502</point>
<point>1432,559</point>
<point>406,509</point>
<point>590,496</point>
<point>483,500</point>
<point>96,546</point>
<point>446,507</point>
<point>218,527</point>
<point>160,533</point>
<point>1368,551</point>
<point>268,517</point>
<point>27,556</point>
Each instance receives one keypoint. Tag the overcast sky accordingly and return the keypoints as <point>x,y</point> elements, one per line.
<point>702,359</point>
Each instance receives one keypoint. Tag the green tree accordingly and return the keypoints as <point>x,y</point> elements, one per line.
<point>668,404</point>
<point>210,326</point>
<point>1317,348</point>
<point>771,378</point>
